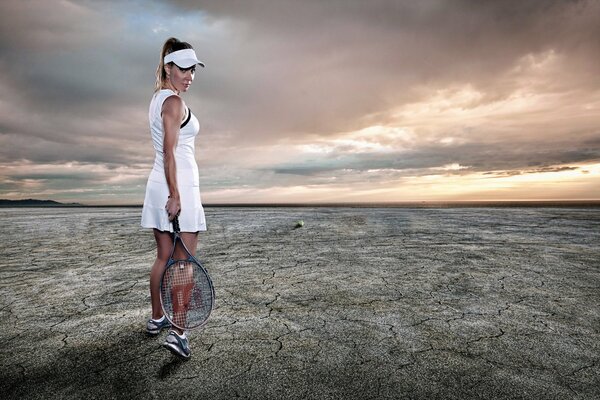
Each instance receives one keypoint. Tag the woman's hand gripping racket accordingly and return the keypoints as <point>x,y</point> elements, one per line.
<point>187,295</point>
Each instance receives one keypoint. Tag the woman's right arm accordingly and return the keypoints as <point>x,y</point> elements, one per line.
<point>172,114</point>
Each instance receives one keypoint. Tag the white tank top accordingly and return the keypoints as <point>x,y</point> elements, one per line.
<point>184,152</point>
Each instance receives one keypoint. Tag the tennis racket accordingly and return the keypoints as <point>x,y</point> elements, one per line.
<point>187,295</point>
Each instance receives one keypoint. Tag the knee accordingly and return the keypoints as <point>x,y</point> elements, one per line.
<point>161,261</point>
<point>162,257</point>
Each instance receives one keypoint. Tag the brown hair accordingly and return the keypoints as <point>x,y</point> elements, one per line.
<point>172,44</point>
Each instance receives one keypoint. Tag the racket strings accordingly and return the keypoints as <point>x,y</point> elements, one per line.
<point>187,294</point>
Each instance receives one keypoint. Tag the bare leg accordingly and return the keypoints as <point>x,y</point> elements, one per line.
<point>164,244</point>
<point>182,276</point>
<point>191,241</point>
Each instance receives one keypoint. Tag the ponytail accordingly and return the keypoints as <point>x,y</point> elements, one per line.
<point>172,44</point>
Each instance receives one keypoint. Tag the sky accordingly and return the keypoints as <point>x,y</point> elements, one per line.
<point>307,101</point>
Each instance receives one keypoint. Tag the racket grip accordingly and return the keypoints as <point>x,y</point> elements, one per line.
<point>176,224</point>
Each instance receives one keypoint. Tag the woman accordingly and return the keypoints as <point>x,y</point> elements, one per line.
<point>173,185</point>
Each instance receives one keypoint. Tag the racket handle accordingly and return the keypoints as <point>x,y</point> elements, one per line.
<point>176,224</point>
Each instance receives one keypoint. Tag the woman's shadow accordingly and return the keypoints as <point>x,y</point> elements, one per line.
<point>171,366</point>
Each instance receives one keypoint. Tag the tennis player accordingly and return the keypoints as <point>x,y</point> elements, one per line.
<point>173,185</point>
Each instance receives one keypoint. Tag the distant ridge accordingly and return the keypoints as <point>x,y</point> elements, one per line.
<point>36,203</point>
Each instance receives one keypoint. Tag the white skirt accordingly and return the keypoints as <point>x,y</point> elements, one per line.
<point>154,214</point>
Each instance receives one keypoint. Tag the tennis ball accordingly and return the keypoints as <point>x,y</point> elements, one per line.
<point>299,224</point>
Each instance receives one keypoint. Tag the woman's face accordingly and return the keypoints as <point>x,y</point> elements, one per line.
<point>181,79</point>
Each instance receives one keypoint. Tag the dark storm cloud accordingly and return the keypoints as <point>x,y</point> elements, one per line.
<point>326,67</point>
<point>531,171</point>
<point>286,67</point>
<point>471,157</point>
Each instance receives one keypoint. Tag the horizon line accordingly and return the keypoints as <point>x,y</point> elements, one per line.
<point>363,204</point>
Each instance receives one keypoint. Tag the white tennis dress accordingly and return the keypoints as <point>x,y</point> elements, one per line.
<point>154,214</point>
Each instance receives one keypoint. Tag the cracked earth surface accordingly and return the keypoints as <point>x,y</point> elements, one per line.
<point>457,303</point>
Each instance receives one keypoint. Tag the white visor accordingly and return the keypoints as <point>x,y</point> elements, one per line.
<point>183,58</point>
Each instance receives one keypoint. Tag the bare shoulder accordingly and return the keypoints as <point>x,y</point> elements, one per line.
<point>173,105</point>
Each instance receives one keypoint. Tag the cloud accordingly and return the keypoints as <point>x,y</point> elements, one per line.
<point>471,157</point>
<point>322,68</point>
<point>297,94</point>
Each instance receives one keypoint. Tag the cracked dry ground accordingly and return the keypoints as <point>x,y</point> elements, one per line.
<point>360,303</point>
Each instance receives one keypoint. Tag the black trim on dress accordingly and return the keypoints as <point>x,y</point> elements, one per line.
<point>187,119</point>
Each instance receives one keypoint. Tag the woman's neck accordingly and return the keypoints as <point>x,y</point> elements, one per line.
<point>171,88</point>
